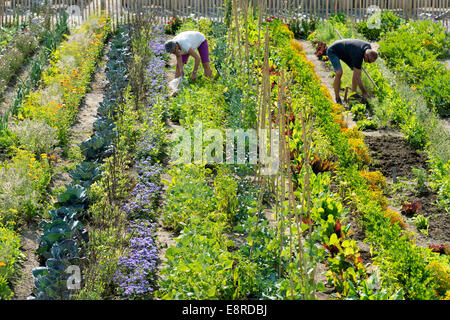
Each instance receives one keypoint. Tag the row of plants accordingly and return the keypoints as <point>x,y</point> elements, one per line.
<point>396,104</point>
<point>50,40</point>
<point>393,249</point>
<point>65,82</point>
<point>135,276</point>
<point>62,242</point>
<point>17,48</point>
<point>413,53</point>
<point>29,145</point>
<point>211,207</point>
<point>122,251</point>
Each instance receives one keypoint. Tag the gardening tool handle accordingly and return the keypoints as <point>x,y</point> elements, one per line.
<point>367,74</point>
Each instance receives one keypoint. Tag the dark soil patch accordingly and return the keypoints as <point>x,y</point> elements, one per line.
<point>388,153</point>
<point>439,220</point>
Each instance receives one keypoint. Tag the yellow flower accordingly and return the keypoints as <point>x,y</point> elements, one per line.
<point>2,264</point>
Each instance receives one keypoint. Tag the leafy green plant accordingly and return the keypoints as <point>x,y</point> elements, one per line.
<point>9,256</point>
<point>389,22</point>
<point>225,190</point>
<point>421,178</point>
<point>422,224</point>
<point>413,52</point>
<point>440,181</point>
<point>302,27</point>
<point>188,195</point>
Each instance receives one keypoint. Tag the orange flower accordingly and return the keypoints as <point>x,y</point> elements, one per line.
<point>2,264</point>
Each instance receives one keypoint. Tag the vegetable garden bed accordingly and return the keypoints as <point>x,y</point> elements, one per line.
<point>330,222</point>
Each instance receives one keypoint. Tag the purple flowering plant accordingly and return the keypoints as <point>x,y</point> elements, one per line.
<point>136,271</point>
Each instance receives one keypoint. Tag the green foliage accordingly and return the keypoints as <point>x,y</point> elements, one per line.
<point>421,178</point>
<point>325,33</point>
<point>413,52</point>
<point>188,196</point>
<point>402,265</point>
<point>302,28</point>
<point>422,224</point>
<point>34,135</point>
<point>228,5</point>
<point>9,255</point>
<point>225,191</point>
<point>202,267</point>
<point>200,102</point>
<point>440,181</point>
<point>389,22</point>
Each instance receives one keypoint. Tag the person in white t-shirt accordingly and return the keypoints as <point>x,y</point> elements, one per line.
<point>184,45</point>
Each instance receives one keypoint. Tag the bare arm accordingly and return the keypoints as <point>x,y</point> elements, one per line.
<point>357,82</point>
<point>197,60</point>
<point>179,71</point>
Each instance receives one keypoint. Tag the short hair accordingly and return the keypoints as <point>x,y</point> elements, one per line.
<point>170,46</point>
<point>372,54</point>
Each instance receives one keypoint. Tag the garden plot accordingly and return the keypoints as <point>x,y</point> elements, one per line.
<point>328,223</point>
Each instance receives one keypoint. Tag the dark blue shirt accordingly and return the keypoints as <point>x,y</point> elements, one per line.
<point>351,51</point>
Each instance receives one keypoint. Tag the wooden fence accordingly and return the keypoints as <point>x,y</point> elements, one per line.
<point>125,10</point>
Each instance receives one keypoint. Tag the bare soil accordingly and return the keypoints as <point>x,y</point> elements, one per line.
<point>389,152</point>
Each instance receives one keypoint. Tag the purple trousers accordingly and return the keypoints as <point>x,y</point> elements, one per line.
<point>202,50</point>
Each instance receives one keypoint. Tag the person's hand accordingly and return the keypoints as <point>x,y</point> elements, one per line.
<point>366,95</point>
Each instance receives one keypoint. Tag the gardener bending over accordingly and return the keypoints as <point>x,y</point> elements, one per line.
<point>352,52</point>
<point>184,45</point>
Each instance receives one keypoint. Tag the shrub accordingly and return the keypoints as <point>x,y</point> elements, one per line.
<point>389,22</point>
<point>22,182</point>
<point>173,25</point>
<point>395,217</point>
<point>441,277</point>
<point>375,179</point>
<point>35,136</point>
